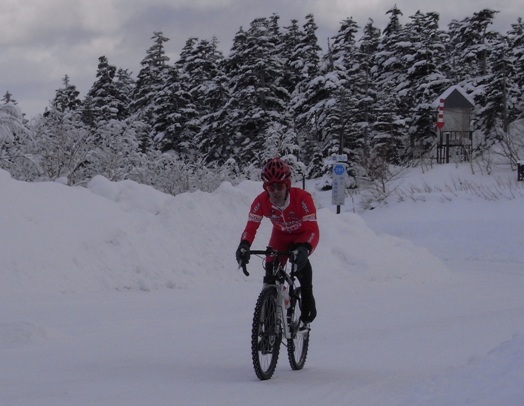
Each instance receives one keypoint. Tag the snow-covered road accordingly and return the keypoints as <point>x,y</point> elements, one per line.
<point>374,343</point>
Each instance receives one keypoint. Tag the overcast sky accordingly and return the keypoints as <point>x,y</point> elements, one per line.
<point>43,40</point>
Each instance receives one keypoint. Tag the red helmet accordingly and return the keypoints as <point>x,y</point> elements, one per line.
<point>276,171</point>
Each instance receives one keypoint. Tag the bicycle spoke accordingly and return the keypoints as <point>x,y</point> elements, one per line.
<point>265,335</point>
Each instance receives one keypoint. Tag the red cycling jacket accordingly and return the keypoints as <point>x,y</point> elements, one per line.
<point>295,223</point>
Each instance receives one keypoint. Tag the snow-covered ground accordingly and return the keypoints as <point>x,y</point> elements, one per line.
<point>120,295</point>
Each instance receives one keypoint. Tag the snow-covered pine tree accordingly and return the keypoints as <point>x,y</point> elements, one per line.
<point>389,69</point>
<point>124,86</point>
<point>470,42</point>
<point>499,103</point>
<point>150,81</point>
<point>201,69</point>
<point>389,72</point>
<point>199,66</point>
<point>66,98</point>
<point>257,97</point>
<point>175,117</point>
<point>516,44</point>
<point>102,97</point>
<point>292,64</point>
<point>304,64</point>
<point>424,58</point>
<point>8,98</point>
<point>15,140</point>
<point>367,87</point>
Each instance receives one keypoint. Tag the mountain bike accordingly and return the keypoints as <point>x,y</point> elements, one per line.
<point>276,318</point>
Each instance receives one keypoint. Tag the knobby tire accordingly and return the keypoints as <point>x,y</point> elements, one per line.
<point>266,334</point>
<point>298,345</point>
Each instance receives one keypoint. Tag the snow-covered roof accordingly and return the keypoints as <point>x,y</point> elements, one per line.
<point>457,90</point>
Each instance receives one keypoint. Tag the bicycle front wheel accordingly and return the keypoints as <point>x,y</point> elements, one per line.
<point>298,345</point>
<point>266,334</point>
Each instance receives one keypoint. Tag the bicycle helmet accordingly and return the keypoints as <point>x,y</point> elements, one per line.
<point>276,171</point>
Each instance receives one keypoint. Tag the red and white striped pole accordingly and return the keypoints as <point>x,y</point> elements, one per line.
<point>440,115</point>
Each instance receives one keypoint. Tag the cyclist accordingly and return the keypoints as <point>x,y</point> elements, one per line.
<point>293,215</point>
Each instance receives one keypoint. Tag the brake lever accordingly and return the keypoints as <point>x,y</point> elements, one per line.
<point>244,268</point>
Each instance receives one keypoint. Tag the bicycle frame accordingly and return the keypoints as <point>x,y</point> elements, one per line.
<point>283,281</point>
<point>285,285</point>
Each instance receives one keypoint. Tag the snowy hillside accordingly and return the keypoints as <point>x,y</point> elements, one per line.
<point>118,294</point>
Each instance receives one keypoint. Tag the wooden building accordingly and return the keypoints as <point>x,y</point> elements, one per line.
<point>454,133</point>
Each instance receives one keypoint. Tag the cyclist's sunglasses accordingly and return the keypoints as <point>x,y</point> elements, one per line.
<point>273,187</point>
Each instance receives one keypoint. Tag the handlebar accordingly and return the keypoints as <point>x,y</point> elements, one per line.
<point>269,252</point>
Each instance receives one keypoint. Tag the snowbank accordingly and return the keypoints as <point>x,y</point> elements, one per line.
<point>127,236</point>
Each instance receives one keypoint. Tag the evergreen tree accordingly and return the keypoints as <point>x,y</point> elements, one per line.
<point>150,81</point>
<point>308,50</point>
<point>324,99</point>
<point>388,60</point>
<point>216,127</point>
<point>367,88</point>
<point>470,42</point>
<point>388,72</point>
<point>257,98</point>
<point>103,98</point>
<point>303,65</point>
<point>516,48</point>
<point>201,66</point>
<point>500,97</point>
<point>8,98</point>
<point>301,45</point>
<point>66,98</point>
<point>174,116</point>
<point>187,55</point>
<point>11,125</point>
<point>279,141</point>
<point>424,55</point>
<point>346,58</point>
<point>293,61</point>
<point>344,45</point>
<point>15,142</point>
<point>124,86</point>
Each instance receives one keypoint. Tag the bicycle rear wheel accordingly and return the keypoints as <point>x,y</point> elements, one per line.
<point>266,334</point>
<point>298,345</point>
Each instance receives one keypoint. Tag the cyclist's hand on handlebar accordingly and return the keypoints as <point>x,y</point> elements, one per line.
<point>242,253</point>
<point>299,257</point>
